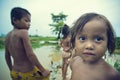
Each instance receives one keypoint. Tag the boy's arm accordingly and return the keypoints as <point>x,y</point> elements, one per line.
<point>7,56</point>
<point>31,56</point>
<point>64,68</point>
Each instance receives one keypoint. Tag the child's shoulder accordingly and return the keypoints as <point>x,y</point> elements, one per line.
<point>8,35</point>
<point>113,73</point>
<point>66,54</point>
<point>22,32</point>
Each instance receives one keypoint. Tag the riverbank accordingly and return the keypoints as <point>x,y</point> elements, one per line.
<point>36,41</point>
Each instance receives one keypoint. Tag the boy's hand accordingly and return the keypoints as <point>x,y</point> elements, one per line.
<point>46,73</point>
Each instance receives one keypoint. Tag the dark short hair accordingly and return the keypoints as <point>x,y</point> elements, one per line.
<point>65,31</point>
<point>18,13</point>
<point>81,21</point>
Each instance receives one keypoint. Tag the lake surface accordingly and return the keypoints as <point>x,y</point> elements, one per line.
<point>45,55</point>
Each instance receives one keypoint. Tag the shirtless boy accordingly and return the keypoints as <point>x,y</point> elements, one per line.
<point>25,64</point>
<point>92,36</point>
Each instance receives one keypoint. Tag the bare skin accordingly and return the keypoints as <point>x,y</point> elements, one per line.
<point>90,46</point>
<point>66,54</point>
<point>18,46</point>
<point>98,71</point>
<point>65,44</point>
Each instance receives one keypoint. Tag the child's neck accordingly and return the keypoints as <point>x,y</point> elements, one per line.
<point>93,63</point>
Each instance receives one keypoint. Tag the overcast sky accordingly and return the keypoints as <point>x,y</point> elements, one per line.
<point>41,12</point>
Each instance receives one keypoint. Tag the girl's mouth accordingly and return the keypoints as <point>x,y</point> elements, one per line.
<point>89,53</point>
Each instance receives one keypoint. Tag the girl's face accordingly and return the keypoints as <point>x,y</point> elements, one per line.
<point>91,42</point>
<point>24,22</point>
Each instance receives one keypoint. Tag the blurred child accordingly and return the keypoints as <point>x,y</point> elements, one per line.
<point>92,36</point>
<point>66,52</point>
<point>25,64</point>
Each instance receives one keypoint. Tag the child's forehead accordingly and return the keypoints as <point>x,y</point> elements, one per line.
<point>93,26</point>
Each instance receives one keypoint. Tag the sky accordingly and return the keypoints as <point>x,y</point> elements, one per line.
<point>41,13</point>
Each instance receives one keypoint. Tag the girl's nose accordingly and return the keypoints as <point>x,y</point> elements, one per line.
<point>90,45</point>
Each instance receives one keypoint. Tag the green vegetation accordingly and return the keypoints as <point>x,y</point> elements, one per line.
<point>36,41</point>
<point>58,22</point>
<point>41,41</point>
<point>2,42</point>
<point>118,43</point>
<point>117,65</point>
<point>117,50</point>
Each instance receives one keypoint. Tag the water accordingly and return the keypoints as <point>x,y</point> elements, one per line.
<point>4,71</point>
<point>45,55</point>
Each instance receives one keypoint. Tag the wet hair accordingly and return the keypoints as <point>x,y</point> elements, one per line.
<point>65,31</point>
<point>80,23</point>
<point>18,13</point>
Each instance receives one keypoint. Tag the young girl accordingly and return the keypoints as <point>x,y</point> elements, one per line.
<point>66,52</point>
<point>92,36</point>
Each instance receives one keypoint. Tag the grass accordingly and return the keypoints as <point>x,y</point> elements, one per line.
<point>117,51</point>
<point>35,41</point>
<point>2,42</point>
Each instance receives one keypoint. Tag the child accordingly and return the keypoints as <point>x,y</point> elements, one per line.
<point>92,36</point>
<point>66,52</point>
<point>26,65</point>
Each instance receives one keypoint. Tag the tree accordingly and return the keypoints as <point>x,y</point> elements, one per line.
<point>58,22</point>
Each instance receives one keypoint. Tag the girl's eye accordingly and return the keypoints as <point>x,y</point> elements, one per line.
<point>98,39</point>
<point>82,38</point>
